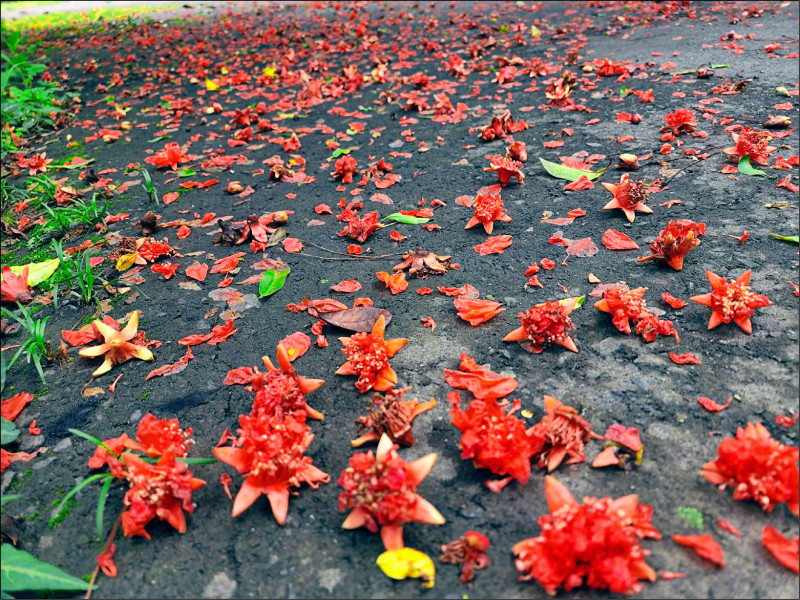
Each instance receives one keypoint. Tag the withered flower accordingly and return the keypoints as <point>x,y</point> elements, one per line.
<point>117,346</point>
<point>422,262</point>
<point>392,415</point>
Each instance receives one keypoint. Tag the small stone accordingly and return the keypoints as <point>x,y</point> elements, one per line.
<point>220,586</point>
<point>330,578</point>
<point>136,416</point>
<point>45,542</point>
<point>31,443</point>
<point>63,445</point>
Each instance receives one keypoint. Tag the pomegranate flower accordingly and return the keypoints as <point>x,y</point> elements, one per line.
<point>758,468</point>
<point>675,241</point>
<point>543,324</point>
<point>162,490</point>
<point>360,228</point>
<point>495,439</point>
<point>346,166</point>
<point>171,156</point>
<point>270,453</point>
<point>517,151</point>
<point>380,490</point>
<point>563,433</point>
<point>596,543</point>
<point>752,143</point>
<point>488,209</point>
<point>391,414</point>
<point>623,305</point>
<point>117,346</point>
<point>629,196</point>
<point>682,120</point>
<point>281,390</point>
<point>368,357</point>
<point>505,168</point>
<point>733,301</point>
<point>157,437</point>
<point>469,551</point>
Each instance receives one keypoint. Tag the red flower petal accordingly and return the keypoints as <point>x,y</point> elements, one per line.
<point>494,245</point>
<point>616,240</point>
<point>704,545</point>
<point>197,271</point>
<point>348,286</point>
<point>783,549</point>
<point>712,406</point>
<point>687,358</point>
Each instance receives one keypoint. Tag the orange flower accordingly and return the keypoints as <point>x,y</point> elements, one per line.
<point>488,209</point>
<point>543,324</point>
<point>117,346</point>
<point>629,196</point>
<point>381,490</point>
<point>476,311</point>
<point>368,357</point>
<point>171,156</point>
<point>396,283</point>
<point>731,301</point>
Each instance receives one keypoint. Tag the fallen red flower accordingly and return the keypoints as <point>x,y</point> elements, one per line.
<point>758,468</point>
<point>733,301</point>
<point>487,209</point>
<point>171,156</point>
<point>270,453</point>
<point>596,543</point>
<point>469,551</point>
<point>544,324</point>
<point>395,282</point>
<point>494,438</point>
<point>674,242</point>
<point>505,168</point>
<point>368,357</point>
<point>380,490</point>
<point>629,196</point>
<point>752,143</point>
<point>680,121</point>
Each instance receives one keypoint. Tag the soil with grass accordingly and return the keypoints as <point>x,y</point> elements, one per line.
<point>613,379</point>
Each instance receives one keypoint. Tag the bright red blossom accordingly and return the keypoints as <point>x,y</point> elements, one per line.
<point>505,168</point>
<point>380,490</point>
<point>346,167</point>
<point>758,468</point>
<point>270,453</point>
<point>495,439</point>
<point>733,301</point>
<point>360,228</point>
<point>629,196</point>
<point>163,490</point>
<point>543,324</point>
<point>487,209</point>
<point>368,357</point>
<point>682,120</point>
<point>596,543</point>
<point>674,242</point>
<point>171,156</point>
<point>752,143</point>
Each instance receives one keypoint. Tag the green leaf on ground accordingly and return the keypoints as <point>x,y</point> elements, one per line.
<point>692,516</point>
<point>8,433</point>
<point>407,219</point>
<point>748,169</point>
<point>786,238</point>
<point>568,173</point>
<point>272,280</point>
<point>22,572</point>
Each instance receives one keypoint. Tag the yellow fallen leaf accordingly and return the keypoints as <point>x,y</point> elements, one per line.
<point>407,562</point>
<point>211,86</point>
<point>270,72</point>
<point>125,262</point>
<point>224,70</point>
<point>92,391</point>
<point>37,272</point>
